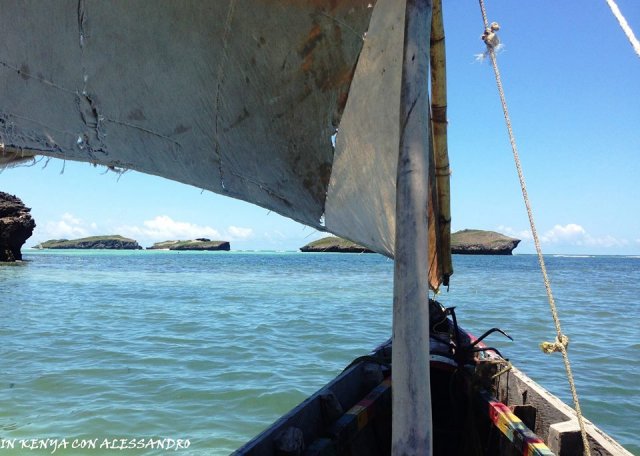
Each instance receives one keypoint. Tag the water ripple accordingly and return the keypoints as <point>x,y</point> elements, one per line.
<point>213,347</point>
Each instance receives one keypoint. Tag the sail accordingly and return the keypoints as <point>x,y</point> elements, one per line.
<point>361,201</point>
<point>239,97</point>
<point>242,98</point>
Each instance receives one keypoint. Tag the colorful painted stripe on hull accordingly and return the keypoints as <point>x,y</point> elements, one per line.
<point>360,414</point>
<point>515,430</point>
<point>347,427</point>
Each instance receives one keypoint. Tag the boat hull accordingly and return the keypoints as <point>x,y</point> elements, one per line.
<point>352,415</point>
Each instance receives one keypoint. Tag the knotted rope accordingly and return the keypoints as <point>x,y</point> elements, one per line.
<point>551,347</point>
<point>490,38</point>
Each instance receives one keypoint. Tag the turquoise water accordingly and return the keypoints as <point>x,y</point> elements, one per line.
<point>211,347</point>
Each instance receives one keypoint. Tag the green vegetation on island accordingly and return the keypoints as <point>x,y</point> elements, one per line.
<point>113,242</point>
<point>469,242</point>
<point>334,244</point>
<point>194,244</point>
<point>480,242</point>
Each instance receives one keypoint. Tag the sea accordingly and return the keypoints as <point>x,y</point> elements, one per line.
<point>102,352</point>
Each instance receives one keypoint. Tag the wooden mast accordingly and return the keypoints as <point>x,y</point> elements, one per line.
<point>439,125</point>
<point>411,424</point>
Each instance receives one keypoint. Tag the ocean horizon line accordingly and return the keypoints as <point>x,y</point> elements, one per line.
<point>546,254</point>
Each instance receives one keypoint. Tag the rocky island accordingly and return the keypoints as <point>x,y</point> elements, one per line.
<point>334,244</point>
<point>115,242</point>
<point>469,242</point>
<point>16,226</point>
<point>479,242</point>
<point>195,244</point>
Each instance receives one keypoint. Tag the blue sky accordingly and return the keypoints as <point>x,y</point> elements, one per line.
<point>572,81</point>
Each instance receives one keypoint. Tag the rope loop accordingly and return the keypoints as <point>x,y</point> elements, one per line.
<point>560,345</point>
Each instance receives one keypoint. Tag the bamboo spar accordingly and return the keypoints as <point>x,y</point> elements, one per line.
<point>439,125</point>
<point>411,422</point>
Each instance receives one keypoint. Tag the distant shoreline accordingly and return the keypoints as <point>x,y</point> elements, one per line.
<point>157,251</point>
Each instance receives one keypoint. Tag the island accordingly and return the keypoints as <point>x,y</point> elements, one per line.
<point>480,242</point>
<point>194,244</point>
<point>113,242</point>
<point>468,242</point>
<point>334,244</point>
<point>16,226</point>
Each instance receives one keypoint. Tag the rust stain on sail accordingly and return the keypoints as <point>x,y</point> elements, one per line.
<point>239,98</point>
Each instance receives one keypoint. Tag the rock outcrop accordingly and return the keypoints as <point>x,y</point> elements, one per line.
<point>470,242</point>
<point>16,226</point>
<point>195,244</point>
<point>334,244</point>
<point>479,242</point>
<point>115,242</point>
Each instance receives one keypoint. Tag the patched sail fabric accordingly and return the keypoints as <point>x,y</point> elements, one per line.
<point>239,97</point>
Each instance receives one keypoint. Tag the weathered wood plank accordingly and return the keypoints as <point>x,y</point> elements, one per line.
<point>564,439</point>
<point>411,423</point>
<point>527,413</point>
<point>516,388</point>
<point>308,416</point>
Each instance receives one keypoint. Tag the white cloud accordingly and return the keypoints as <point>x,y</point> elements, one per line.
<point>571,233</point>
<point>163,228</point>
<point>70,218</point>
<point>236,233</point>
<point>605,241</point>
<point>518,234</point>
<point>68,227</point>
<point>574,234</point>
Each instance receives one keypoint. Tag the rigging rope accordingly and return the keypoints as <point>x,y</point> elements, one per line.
<point>625,26</point>
<point>490,38</point>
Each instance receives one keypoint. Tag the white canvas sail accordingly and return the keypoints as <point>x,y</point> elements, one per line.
<point>242,98</point>
<point>239,97</point>
<point>361,202</point>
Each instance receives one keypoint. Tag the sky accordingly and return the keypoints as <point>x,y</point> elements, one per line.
<point>572,81</point>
